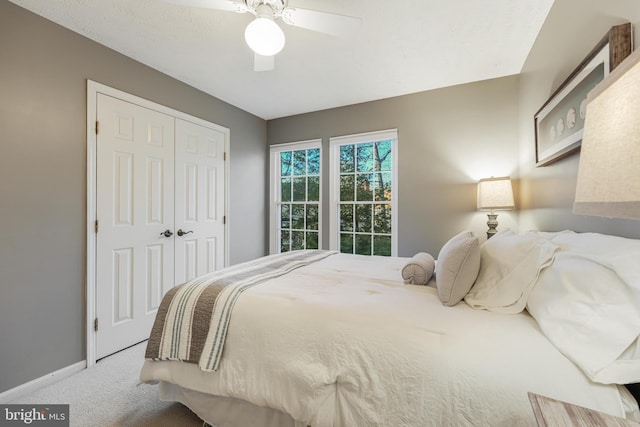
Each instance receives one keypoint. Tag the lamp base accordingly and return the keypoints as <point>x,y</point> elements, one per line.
<point>492,223</point>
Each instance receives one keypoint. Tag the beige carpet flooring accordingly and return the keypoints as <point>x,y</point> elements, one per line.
<point>108,394</point>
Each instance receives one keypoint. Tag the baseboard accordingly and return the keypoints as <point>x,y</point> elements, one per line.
<point>45,380</point>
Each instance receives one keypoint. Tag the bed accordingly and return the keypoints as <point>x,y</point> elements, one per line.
<point>344,341</point>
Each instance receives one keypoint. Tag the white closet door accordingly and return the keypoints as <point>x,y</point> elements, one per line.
<point>134,206</point>
<point>200,200</point>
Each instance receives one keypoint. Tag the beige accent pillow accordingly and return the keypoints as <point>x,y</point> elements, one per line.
<point>457,268</point>
<point>419,269</point>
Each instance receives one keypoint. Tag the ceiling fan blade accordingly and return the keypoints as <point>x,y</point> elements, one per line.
<point>263,63</point>
<point>230,5</point>
<point>329,23</point>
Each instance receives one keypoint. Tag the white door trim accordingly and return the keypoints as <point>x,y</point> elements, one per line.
<point>93,88</point>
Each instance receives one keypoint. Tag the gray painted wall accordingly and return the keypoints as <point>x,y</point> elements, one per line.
<point>571,30</point>
<point>43,72</point>
<point>448,139</point>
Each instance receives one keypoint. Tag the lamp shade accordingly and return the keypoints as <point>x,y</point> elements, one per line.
<point>264,36</point>
<point>609,171</point>
<point>495,194</point>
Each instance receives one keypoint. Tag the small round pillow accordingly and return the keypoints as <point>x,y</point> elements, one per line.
<point>419,269</point>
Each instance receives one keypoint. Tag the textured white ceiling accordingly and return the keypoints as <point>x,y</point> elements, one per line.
<point>404,46</point>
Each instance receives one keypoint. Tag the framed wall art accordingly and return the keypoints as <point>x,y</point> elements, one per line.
<point>559,122</point>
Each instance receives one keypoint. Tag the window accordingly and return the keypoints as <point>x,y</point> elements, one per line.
<point>295,196</point>
<point>363,185</point>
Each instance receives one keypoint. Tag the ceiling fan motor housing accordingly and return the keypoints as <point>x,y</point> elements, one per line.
<point>277,6</point>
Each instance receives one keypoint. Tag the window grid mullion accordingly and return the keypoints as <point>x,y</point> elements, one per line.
<point>373,177</point>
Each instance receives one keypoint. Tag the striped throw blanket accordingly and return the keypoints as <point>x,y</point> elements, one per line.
<point>192,320</point>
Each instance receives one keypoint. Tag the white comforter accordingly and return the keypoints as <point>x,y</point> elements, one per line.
<point>344,342</point>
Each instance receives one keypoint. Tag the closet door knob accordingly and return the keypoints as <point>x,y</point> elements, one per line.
<point>182,233</point>
<point>166,233</point>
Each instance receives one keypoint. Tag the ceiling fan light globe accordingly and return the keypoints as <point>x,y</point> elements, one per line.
<point>264,36</point>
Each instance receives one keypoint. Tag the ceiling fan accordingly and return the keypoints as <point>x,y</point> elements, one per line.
<point>264,36</point>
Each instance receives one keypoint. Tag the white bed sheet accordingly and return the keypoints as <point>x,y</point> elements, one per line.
<point>220,411</point>
<point>344,342</point>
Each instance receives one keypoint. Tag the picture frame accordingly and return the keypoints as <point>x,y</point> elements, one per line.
<point>559,123</point>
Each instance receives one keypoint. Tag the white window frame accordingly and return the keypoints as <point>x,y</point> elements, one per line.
<point>334,181</point>
<point>275,188</point>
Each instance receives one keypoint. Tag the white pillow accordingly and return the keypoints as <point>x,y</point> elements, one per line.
<point>509,266</point>
<point>419,269</point>
<point>457,267</point>
<point>588,305</point>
